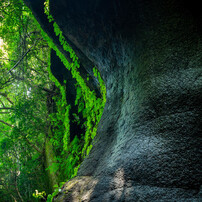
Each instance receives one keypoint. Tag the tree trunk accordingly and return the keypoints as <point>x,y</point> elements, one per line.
<point>17,190</point>
<point>148,140</point>
<point>49,161</point>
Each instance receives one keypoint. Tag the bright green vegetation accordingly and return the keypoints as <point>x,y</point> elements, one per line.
<point>35,148</point>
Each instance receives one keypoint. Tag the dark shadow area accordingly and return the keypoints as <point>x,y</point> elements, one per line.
<point>194,8</point>
<point>61,73</point>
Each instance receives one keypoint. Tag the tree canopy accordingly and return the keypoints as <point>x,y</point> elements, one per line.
<point>36,153</point>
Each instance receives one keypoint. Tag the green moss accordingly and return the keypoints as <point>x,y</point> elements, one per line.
<point>72,154</point>
<point>92,106</point>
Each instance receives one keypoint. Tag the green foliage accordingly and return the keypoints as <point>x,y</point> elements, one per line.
<point>90,106</point>
<point>56,191</point>
<point>39,195</point>
<point>31,128</point>
<point>23,113</point>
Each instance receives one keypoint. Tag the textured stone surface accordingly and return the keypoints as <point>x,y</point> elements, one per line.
<point>78,189</point>
<point>149,54</point>
<point>117,189</point>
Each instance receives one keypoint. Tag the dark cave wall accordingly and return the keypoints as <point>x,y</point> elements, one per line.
<point>149,54</point>
<point>108,33</point>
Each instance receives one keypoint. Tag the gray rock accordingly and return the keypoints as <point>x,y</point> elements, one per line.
<point>149,54</point>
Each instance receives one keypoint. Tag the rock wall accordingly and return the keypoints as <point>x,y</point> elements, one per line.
<point>149,54</point>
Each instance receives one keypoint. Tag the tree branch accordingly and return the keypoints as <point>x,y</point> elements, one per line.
<point>6,96</point>
<point>8,82</point>
<point>21,59</point>
<point>31,83</point>
<point>7,59</point>
<point>8,124</point>
<point>6,108</point>
<point>32,145</point>
<point>8,190</point>
<point>16,188</point>
<point>2,103</point>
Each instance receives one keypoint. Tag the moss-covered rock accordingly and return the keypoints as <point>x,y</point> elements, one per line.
<point>149,54</point>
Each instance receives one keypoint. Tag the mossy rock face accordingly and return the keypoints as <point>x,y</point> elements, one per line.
<point>77,189</point>
<point>148,139</point>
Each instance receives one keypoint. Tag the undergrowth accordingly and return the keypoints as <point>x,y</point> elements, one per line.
<point>71,154</point>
